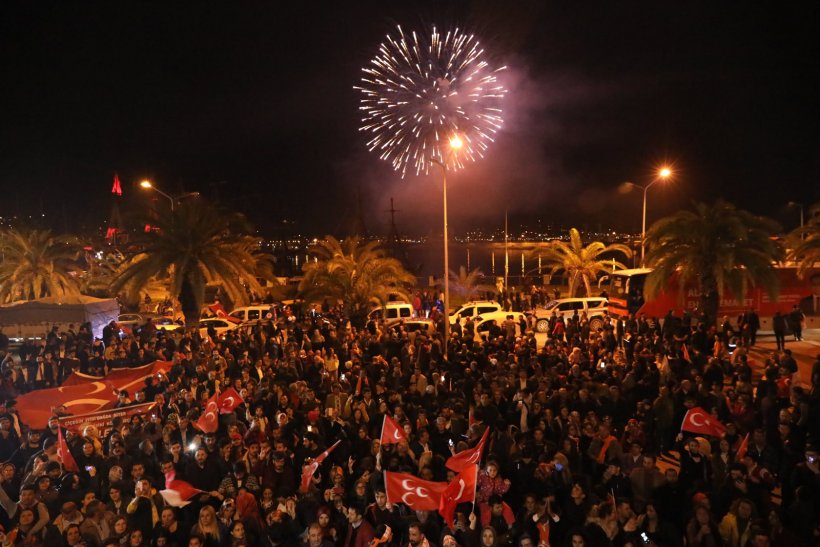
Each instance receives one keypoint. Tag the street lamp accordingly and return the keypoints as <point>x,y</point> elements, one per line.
<point>455,144</point>
<point>663,174</point>
<point>148,185</point>
<point>800,205</point>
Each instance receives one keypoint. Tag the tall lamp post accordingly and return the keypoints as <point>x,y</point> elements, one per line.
<point>148,185</point>
<point>455,144</point>
<point>663,174</point>
<point>800,206</point>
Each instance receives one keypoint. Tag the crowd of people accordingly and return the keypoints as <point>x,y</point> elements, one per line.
<point>584,446</point>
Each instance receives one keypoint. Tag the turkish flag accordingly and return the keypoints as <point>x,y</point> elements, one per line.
<point>415,493</point>
<point>468,457</point>
<point>208,422</point>
<point>392,433</point>
<point>69,463</point>
<point>177,492</point>
<point>460,490</point>
<point>229,400</point>
<point>686,356</point>
<point>699,421</point>
<point>310,469</point>
<point>36,406</point>
<point>122,378</point>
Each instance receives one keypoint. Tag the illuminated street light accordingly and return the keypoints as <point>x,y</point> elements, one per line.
<point>455,144</point>
<point>663,174</point>
<point>148,185</point>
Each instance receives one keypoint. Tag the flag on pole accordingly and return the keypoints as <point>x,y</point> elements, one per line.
<point>392,433</point>
<point>415,493</point>
<point>64,454</point>
<point>699,421</point>
<point>310,469</point>
<point>460,490</point>
<point>465,458</point>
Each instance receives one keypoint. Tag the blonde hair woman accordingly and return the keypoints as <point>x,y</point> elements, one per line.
<point>209,527</point>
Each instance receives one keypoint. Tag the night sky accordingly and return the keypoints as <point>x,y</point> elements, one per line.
<point>253,104</point>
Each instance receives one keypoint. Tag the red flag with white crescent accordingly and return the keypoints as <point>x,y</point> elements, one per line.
<point>69,463</point>
<point>465,458</point>
<point>229,400</point>
<point>460,490</point>
<point>310,469</point>
<point>208,422</point>
<point>177,492</point>
<point>699,421</point>
<point>415,493</point>
<point>392,433</point>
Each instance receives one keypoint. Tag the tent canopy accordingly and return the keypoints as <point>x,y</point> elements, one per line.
<point>61,311</point>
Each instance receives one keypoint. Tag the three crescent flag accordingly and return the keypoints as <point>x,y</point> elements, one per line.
<point>415,493</point>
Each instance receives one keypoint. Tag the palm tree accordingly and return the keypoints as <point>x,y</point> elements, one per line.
<point>805,242</point>
<point>194,245</point>
<point>359,275</point>
<point>36,263</point>
<point>582,264</point>
<point>466,285</point>
<point>718,247</point>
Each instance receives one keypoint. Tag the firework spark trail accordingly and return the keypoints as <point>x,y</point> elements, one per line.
<point>419,91</point>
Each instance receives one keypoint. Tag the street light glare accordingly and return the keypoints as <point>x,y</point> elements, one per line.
<point>146,184</point>
<point>456,142</point>
<point>664,172</point>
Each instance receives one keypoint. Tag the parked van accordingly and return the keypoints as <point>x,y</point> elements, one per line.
<point>392,312</point>
<point>252,313</point>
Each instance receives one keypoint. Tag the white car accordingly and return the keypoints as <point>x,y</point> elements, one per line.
<point>218,323</point>
<point>483,323</point>
<point>392,313</point>
<point>594,308</point>
<point>474,309</point>
<point>247,314</point>
<point>129,320</point>
<point>166,323</point>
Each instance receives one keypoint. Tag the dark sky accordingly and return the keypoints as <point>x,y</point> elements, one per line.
<point>252,103</point>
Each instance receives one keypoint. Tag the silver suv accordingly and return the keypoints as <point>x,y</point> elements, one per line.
<point>594,307</point>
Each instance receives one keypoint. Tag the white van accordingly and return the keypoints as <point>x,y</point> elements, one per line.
<point>392,312</point>
<point>252,313</point>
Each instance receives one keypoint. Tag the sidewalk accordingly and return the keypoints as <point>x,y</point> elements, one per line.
<point>805,352</point>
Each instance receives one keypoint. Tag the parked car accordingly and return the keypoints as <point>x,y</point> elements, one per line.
<point>220,324</point>
<point>129,320</point>
<point>594,308</point>
<point>166,323</point>
<point>414,325</point>
<point>483,323</point>
<point>474,309</point>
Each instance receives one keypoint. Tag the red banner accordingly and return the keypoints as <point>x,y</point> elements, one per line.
<point>310,469</point>
<point>102,420</point>
<point>82,394</point>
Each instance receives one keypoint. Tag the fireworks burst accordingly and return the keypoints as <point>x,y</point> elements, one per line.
<point>421,91</point>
